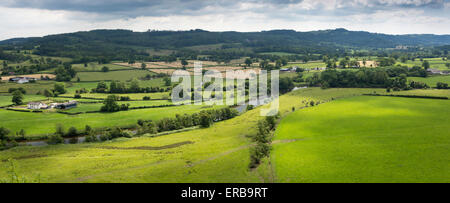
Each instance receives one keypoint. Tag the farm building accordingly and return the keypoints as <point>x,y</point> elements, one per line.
<point>21,80</point>
<point>37,105</point>
<point>67,105</point>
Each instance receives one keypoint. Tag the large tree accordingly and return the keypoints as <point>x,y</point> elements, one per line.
<point>17,97</point>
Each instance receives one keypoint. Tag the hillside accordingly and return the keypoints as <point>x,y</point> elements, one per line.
<point>113,43</point>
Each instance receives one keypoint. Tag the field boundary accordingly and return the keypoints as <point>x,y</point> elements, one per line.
<point>407,96</point>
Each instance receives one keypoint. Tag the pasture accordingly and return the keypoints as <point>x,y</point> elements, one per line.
<point>31,88</point>
<point>5,100</point>
<point>435,63</point>
<point>39,124</point>
<point>216,154</point>
<point>124,75</point>
<point>432,80</point>
<point>97,67</point>
<point>365,139</point>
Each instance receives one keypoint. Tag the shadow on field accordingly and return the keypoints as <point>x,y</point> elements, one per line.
<point>149,147</point>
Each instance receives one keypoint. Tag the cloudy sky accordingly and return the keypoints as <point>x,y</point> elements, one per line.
<point>25,18</point>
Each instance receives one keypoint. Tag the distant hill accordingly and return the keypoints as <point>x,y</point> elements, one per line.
<point>107,42</point>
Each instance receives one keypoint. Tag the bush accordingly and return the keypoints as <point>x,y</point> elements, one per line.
<point>55,139</point>
<point>91,138</point>
<point>205,120</point>
<point>72,132</point>
<point>146,98</point>
<point>4,133</point>
<point>73,140</point>
<point>125,98</point>
<point>124,107</point>
<point>441,85</point>
<point>105,137</point>
<point>77,96</point>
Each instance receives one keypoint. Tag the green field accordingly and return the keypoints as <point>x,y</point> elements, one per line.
<point>424,92</point>
<point>308,65</point>
<point>31,88</point>
<point>97,67</point>
<point>125,75</point>
<point>435,63</point>
<point>96,107</point>
<point>218,154</point>
<point>44,123</point>
<point>137,96</point>
<point>5,100</point>
<point>432,80</point>
<point>365,139</point>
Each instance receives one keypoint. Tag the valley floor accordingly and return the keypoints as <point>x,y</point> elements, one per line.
<point>221,153</point>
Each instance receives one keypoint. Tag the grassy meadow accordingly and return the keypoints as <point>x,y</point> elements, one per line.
<point>216,154</point>
<point>432,80</point>
<point>365,139</point>
<point>36,124</point>
<point>123,75</point>
<point>435,63</point>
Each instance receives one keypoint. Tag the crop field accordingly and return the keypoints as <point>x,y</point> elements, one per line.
<point>125,75</point>
<point>432,80</point>
<point>38,124</point>
<point>365,139</point>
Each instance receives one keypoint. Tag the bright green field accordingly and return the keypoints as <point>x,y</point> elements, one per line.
<point>111,75</point>
<point>365,139</point>
<point>43,123</point>
<point>431,81</point>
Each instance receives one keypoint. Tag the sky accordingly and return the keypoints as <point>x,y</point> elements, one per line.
<point>30,18</point>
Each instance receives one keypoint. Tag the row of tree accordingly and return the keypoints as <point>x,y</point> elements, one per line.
<point>203,119</point>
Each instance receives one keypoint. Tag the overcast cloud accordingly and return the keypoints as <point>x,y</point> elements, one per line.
<point>25,18</point>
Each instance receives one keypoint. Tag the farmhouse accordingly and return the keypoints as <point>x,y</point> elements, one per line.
<point>435,71</point>
<point>37,105</point>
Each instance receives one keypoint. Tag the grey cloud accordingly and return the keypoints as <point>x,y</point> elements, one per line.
<point>134,8</point>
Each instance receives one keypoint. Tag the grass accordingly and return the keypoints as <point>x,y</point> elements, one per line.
<point>38,124</point>
<point>96,107</point>
<point>5,100</point>
<point>125,75</point>
<point>97,67</point>
<point>137,96</point>
<point>31,88</point>
<point>424,92</point>
<point>308,65</point>
<point>435,63</point>
<point>432,80</point>
<point>365,139</point>
<point>218,154</point>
